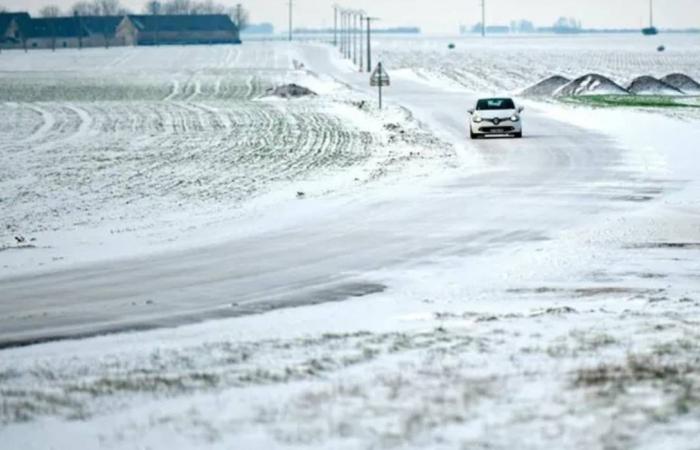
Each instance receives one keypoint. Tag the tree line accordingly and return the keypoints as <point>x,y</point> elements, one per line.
<point>238,14</point>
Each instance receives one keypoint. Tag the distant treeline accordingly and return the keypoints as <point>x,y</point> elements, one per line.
<point>564,25</point>
<point>396,30</point>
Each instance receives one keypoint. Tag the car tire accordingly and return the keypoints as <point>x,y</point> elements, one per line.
<point>473,135</point>
<point>518,135</point>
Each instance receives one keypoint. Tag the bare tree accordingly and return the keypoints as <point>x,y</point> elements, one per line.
<point>50,11</point>
<point>153,7</point>
<point>99,8</point>
<point>178,7</point>
<point>208,7</point>
<point>86,8</point>
<point>109,7</point>
<point>240,16</point>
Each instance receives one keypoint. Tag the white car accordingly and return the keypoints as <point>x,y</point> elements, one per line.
<point>495,116</point>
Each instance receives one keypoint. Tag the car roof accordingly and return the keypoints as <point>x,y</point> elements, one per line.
<point>495,98</point>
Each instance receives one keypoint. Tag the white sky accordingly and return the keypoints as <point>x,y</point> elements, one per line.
<point>445,16</point>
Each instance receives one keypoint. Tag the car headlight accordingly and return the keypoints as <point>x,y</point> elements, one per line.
<point>514,118</point>
<point>477,119</point>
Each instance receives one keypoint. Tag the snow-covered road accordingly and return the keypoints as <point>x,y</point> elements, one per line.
<point>505,194</point>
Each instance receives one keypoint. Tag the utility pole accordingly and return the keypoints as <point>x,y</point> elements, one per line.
<point>291,5</point>
<point>483,18</point>
<point>341,36</point>
<point>335,25</point>
<point>347,35</point>
<point>369,42</point>
<point>362,18</point>
<point>354,37</point>
<point>342,32</point>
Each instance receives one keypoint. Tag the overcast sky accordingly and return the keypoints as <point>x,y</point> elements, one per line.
<point>445,16</point>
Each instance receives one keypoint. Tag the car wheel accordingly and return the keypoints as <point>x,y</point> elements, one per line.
<point>473,135</point>
<point>518,135</point>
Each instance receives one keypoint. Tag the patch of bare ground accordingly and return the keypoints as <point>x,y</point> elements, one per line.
<point>668,245</point>
<point>586,291</point>
<point>81,388</point>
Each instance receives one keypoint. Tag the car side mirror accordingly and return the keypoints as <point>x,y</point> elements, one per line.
<point>471,111</point>
<point>521,109</point>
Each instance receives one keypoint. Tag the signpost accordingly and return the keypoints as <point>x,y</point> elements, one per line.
<point>379,79</point>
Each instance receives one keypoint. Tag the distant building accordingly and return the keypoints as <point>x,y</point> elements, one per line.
<point>109,31</point>
<point>14,29</point>
<point>19,30</point>
<point>185,30</point>
<point>56,32</point>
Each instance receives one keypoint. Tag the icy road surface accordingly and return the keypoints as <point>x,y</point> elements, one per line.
<point>506,194</point>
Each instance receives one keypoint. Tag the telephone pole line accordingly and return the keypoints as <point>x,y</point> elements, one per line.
<point>335,25</point>
<point>291,6</point>
<point>483,18</point>
<point>369,41</point>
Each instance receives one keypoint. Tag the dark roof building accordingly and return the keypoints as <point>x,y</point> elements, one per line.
<point>185,29</point>
<point>21,30</point>
<point>57,27</point>
<point>14,27</point>
<point>102,25</point>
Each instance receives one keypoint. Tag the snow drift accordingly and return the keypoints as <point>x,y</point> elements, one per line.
<point>647,85</point>
<point>546,87</point>
<point>591,84</point>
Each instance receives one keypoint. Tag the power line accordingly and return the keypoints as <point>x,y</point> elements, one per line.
<point>483,18</point>
<point>291,6</point>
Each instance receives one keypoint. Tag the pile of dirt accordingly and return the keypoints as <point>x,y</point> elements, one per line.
<point>591,84</point>
<point>546,87</point>
<point>682,82</point>
<point>646,85</point>
<point>290,91</point>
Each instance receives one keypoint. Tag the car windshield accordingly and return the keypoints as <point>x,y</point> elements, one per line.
<point>494,104</point>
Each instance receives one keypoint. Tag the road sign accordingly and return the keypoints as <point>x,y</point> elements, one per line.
<point>379,77</point>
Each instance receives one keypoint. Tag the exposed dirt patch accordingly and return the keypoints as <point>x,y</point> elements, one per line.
<point>671,245</point>
<point>585,292</point>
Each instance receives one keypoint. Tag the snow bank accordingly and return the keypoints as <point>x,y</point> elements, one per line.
<point>591,84</point>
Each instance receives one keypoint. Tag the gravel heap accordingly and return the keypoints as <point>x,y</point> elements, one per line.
<point>682,82</point>
<point>591,84</point>
<point>546,87</point>
<point>646,85</point>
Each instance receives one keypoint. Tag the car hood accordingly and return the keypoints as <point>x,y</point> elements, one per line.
<point>500,113</point>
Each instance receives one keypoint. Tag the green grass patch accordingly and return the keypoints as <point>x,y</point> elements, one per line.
<point>635,101</point>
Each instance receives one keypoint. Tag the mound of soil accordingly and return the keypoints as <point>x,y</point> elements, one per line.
<point>682,82</point>
<point>290,91</point>
<point>646,85</point>
<point>546,87</point>
<point>591,84</point>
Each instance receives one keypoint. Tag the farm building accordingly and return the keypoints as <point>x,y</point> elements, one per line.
<point>184,30</point>
<point>19,30</point>
<point>56,32</point>
<point>109,31</point>
<point>14,29</point>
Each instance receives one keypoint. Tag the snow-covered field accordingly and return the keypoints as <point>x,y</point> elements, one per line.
<point>510,64</point>
<point>535,293</point>
<point>146,146</point>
